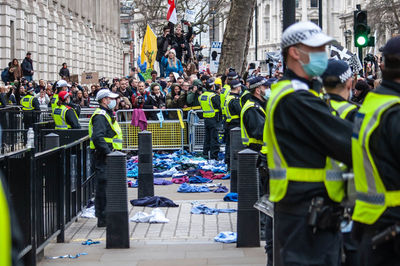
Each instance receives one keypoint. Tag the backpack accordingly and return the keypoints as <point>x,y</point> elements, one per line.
<point>5,75</point>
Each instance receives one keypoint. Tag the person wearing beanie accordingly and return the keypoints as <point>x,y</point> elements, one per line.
<point>304,141</point>
<point>64,116</point>
<point>376,160</point>
<point>337,81</point>
<point>361,90</point>
<point>211,106</point>
<point>171,63</point>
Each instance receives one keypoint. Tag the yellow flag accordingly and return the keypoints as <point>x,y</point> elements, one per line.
<point>149,48</point>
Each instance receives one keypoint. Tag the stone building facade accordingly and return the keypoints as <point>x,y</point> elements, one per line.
<point>82,33</point>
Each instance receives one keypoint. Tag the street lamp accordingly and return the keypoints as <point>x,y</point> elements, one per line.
<point>347,34</point>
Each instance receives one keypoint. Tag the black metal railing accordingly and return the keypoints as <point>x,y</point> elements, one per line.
<point>48,190</point>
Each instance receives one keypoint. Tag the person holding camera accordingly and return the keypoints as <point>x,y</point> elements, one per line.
<point>140,97</point>
<point>181,44</point>
<point>164,43</point>
<point>156,100</point>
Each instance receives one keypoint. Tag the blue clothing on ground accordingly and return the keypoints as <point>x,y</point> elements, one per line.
<point>231,197</point>
<point>221,189</point>
<point>226,237</point>
<point>154,202</point>
<point>203,209</point>
<point>186,188</point>
<point>198,180</point>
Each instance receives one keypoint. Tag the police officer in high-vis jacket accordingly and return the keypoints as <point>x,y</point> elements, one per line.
<point>232,110</point>
<point>337,80</point>
<point>65,116</point>
<point>376,161</point>
<point>211,106</point>
<point>30,104</point>
<point>62,85</point>
<point>304,142</point>
<point>105,136</point>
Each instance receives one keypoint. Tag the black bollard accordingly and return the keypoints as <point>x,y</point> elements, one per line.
<point>248,218</point>
<point>117,202</point>
<point>51,141</point>
<point>236,146</point>
<point>145,171</point>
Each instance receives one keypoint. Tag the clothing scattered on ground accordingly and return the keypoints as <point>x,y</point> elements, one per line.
<point>88,213</point>
<point>69,256</point>
<point>203,209</point>
<point>90,242</point>
<point>226,237</point>
<point>157,181</point>
<point>154,202</point>
<point>199,180</point>
<point>186,188</point>
<point>221,189</point>
<point>231,197</point>
<point>156,216</point>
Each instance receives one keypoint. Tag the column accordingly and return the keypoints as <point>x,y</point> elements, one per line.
<point>52,56</point>
<point>5,35</point>
<point>42,68</point>
<point>20,35</point>
<point>68,46</point>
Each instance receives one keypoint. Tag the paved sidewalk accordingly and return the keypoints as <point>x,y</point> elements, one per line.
<point>188,239</point>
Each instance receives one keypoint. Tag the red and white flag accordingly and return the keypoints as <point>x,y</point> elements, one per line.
<point>171,15</point>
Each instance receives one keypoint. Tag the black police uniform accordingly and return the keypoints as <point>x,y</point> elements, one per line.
<point>101,130</point>
<point>307,133</point>
<point>384,147</point>
<point>211,126</point>
<point>234,109</point>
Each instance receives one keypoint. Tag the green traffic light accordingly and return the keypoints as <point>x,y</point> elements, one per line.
<point>361,40</point>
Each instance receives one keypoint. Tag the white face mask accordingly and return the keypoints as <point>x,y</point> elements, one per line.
<point>112,104</point>
<point>267,94</point>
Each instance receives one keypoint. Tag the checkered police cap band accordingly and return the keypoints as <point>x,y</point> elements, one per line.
<point>298,37</point>
<point>255,85</point>
<point>345,76</point>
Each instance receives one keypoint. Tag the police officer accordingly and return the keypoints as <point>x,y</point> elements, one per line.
<point>226,89</point>
<point>30,104</point>
<point>105,136</point>
<point>302,136</point>
<point>337,81</point>
<point>64,116</point>
<point>376,160</point>
<point>232,103</point>
<point>211,105</point>
<point>62,85</point>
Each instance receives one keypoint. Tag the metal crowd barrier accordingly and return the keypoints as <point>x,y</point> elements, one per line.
<point>196,130</point>
<point>166,135</point>
<point>48,191</point>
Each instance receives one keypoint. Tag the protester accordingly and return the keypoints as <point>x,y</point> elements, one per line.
<point>27,67</point>
<point>64,71</point>
<point>361,90</point>
<point>174,100</point>
<point>138,100</point>
<point>171,63</point>
<point>43,99</point>
<point>15,71</point>
<point>156,100</point>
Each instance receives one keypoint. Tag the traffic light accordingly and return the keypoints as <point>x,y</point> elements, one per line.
<point>361,29</point>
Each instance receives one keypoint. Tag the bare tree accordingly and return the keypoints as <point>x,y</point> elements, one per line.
<point>154,13</point>
<point>236,37</point>
<point>384,15</point>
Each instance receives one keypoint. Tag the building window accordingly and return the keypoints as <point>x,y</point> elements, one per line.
<point>314,3</point>
<point>315,21</point>
<point>267,30</point>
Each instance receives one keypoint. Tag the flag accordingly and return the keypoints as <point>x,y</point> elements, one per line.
<point>171,15</point>
<point>149,47</point>
<point>338,52</point>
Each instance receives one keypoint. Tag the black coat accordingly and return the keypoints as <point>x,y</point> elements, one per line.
<point>64,72</point>
<point>152,101</point>
<point>27,67</point>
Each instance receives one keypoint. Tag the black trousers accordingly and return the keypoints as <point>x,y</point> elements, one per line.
<point>211,138</point>
<point>297,244</point>
<point>385,254</point>
<point>101,186</point>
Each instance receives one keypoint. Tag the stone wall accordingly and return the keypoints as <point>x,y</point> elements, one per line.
<point>82,33</point>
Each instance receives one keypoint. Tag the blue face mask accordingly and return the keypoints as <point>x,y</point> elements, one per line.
<point>267,94</point>
<point>317,65</point>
